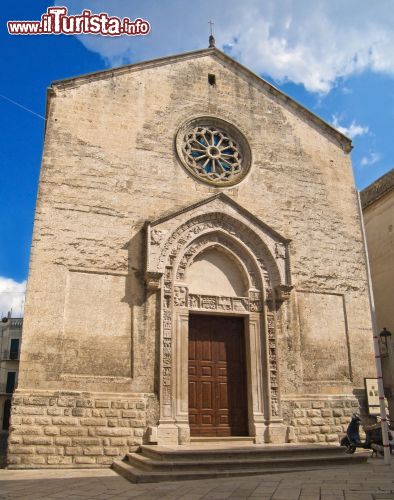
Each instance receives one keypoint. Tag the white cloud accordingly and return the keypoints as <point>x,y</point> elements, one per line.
<point>12,296</point>
<point>311,43</point>
<point>370,159</point>
<point>352,131</point>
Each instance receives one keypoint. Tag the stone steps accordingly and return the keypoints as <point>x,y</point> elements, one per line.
<point>227,439</point>
<point>157,463</point>
<point>230,451</point>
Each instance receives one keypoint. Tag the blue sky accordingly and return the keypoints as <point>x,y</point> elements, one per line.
<point>334,57</point>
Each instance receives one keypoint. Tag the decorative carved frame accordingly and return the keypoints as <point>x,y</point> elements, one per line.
<point>173,243</point>
<point>242,159</point>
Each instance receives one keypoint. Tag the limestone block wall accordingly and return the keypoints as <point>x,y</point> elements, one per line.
<point>75,429</point>
<point>319,421</point>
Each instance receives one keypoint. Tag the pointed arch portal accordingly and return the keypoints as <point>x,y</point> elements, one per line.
<point>214,259</point>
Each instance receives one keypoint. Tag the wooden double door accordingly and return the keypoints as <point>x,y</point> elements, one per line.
<point>217,376</point>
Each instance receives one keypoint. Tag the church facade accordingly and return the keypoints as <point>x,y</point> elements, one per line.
<point>197,268</point>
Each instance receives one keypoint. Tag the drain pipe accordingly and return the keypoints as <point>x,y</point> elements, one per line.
<point>378,362</point>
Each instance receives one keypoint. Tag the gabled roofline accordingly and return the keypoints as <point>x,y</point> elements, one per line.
<point>225,198</point>
<point>105,73</point>
<point>343,140</point>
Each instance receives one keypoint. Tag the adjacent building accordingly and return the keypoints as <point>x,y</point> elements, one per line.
<point>10,340</point>
<point>378,212</point>
<point>197,268</point>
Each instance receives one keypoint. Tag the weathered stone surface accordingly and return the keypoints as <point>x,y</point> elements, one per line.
<point>85,460</point>
<point>324,427</point>
<point>112,451</point>
<point>33,460</point>
<point>63,441</point>
<point>314,413</point>
<point>77,436</point>
<point>102,404</point>
<point>59,460</point>
<point>15,439</point>
<point>46,450</point>
<point>93,332</point>
<point>73,431</point>
<point>93,450</point>
<point>317,421</point>
<point>78,412</point>
<point>87,441</point>
<point>37,440</point>
<point>20,450</point>
<point>43,421</point>
<point>84,403</point>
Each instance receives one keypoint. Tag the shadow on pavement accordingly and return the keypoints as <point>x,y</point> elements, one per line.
<point>3,449</point>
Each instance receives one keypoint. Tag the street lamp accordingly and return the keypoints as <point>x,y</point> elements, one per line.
<point>385,339</point>
<point>385,336</point>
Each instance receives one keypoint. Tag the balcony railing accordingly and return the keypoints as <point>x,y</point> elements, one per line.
<point>16,322</point>
<point>10,354</point>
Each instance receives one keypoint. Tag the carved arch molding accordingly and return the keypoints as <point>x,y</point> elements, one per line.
<point>173,242</point>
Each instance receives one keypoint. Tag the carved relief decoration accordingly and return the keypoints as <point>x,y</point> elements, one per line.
<point>173,252</point>
<point>153,280</point>
<point>180,296</point>
<point>272,361</point>
<point>234,231</point>
<point>156,236</point>
<point>225,304</point>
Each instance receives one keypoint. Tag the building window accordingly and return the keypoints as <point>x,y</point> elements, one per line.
<point>11,379</point>
<point>214,151</point>
<point>14,349</point>
<point>211,79</point>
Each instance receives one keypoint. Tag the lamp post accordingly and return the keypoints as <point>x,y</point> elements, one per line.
<point>385,338</point>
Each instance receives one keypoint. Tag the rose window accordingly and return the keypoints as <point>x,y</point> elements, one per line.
<point>212,153</point>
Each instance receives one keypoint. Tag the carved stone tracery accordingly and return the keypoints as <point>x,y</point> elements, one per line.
<point>267,286</point>
<point>272,359</point>
<point>213,151</point>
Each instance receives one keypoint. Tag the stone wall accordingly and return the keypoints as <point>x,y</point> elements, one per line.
<point>75,429</point>
<point>318,421</point>
<point>109,166</point>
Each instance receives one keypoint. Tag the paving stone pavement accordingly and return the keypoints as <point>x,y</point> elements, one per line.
<point>372,481</point>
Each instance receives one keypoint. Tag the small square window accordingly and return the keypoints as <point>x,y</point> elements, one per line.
<point>211,79</point>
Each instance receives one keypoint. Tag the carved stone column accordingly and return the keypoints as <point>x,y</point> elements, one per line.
<point>181,389</point>
<point>257,426</point>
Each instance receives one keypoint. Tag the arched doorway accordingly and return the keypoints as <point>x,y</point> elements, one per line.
<point>216,259</point>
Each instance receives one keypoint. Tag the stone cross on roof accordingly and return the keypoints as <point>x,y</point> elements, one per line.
<point>211,37</point>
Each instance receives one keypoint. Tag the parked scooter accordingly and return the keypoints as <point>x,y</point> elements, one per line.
<point>373,437</point>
